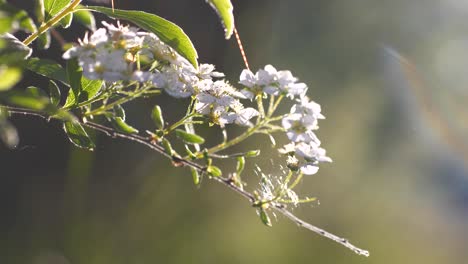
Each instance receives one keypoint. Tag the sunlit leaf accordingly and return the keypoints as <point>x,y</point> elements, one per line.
<point>39,10</point>
<point>9,77</point>
<point>53,7</point>
<point>168,32</point>
<point>13,51</point>
<point>224,10</point>
<point>66,21</point>
<point>78,136</point>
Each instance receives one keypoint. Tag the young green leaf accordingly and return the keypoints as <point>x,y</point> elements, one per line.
<point>123,127</point>
<point>168,32</point>
<point>54,93</point>
<point>157,117</point>
<point>224,10</point>
<point>53,7</point>
<point>188,137</point>
<point>82,89</point>
<point>78,136</point>
<point>47,68</point>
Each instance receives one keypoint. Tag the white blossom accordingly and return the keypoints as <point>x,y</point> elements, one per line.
<point>270,81</point>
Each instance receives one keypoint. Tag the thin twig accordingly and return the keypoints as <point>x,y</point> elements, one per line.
<point>149,142</point>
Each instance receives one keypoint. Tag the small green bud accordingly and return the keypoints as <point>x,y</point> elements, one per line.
<point>188,137</point>
<point>264,217</point>
<point>157,117</point>
<point>214,171</point>
<point>123,127</point>
<point>167,146</point>
<point>252,153</point>
<point>196,176</point>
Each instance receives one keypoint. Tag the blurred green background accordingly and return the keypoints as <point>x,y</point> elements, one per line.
<point>398,185</point>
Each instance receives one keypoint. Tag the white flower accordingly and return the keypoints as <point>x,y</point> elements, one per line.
<point>299,127</point>
<point>308,108</point>
<point>206,71</point>
<point>270,81</point>
<point>312,152</point>
<point>243,116</point>
<point>248,79</point>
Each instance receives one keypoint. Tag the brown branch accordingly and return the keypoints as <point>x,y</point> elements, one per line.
<point>149,142</point>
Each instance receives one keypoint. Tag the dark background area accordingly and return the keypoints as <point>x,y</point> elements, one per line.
<point>398,185</point>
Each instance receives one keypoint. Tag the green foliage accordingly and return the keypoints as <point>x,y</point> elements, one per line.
<point>13,19</point>
<point>224,10</point>
<point>82,89</point>
<point>78,136</point>
<point>47,68</point>
<point>53,7</point>
<point>168,32</point>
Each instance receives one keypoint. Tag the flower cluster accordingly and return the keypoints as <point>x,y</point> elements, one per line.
<point>112,54</point>
<point>273,82</point>
<point>299,125</point>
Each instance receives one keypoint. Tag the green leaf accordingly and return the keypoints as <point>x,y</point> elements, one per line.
<point>9,77</point>
<point>89,89</point>
<point>13,51</point>
<point>44,40</point>
<point>168,32</point>
<point>78,136</point>
<point>157,117</point>
<point>264,217</point>
<point>214,171</point>
<point>29,98</point>
<point>85,18</point>
<point>54,93</point>
<point>74,74</point>
<point>188,137</point>
<point>47,68</point>
<point>123,127</point>
<point>53,7</point>
<point>224,10</point>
